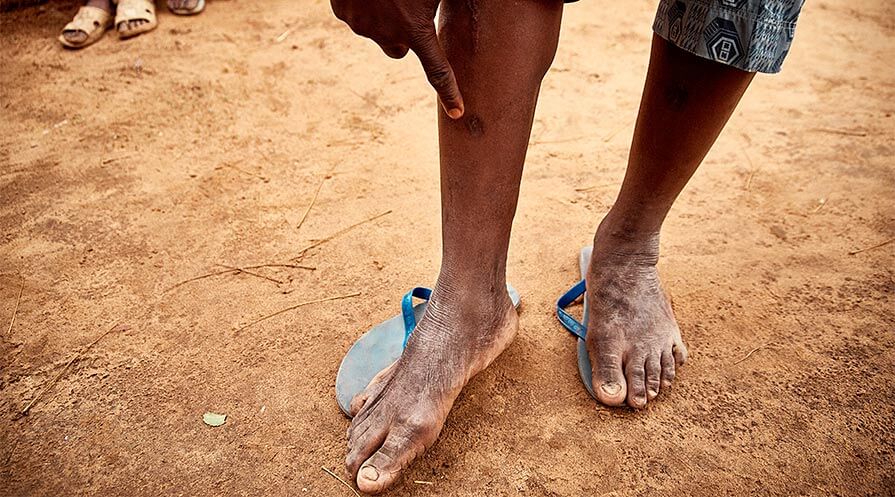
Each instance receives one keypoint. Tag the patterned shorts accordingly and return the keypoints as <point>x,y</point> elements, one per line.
<point>752,35</point>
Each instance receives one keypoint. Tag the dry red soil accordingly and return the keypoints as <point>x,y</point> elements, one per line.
<point>132,166</point>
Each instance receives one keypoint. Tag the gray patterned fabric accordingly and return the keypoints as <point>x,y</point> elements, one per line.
<point>752,35</point>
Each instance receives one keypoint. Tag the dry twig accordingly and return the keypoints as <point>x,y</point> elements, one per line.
<point>753,171</point>
<point>756,349</point>
<point>846,132</point>
<point>292,266</point>
<point>15,309</point>
<point>313,199</point>
<point>340,232</point>
<point>257,275</point>
<point>296,306</point>
<point>878,245</point>
<point>595,187</point>
<point>820,205</point>
<point>337,477</point>
<point>238,270</point>
<point>67,365</point>
<point>201,276</point>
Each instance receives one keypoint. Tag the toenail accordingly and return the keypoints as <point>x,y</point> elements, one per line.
<point>369,473</point>
<point>652,393</point>
<point>611,388</point>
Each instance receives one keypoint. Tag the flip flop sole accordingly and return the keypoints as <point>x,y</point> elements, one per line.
<point>376,350</point>
<point>584,367</point>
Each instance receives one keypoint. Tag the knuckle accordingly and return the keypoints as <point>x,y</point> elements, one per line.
<point>419,422</point>
<point>421,36</point>
<point>440,78</point>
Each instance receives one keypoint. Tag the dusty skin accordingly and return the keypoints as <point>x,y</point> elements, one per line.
<point>131,166</point>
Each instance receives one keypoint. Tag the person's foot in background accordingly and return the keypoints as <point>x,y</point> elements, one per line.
<point>88,25</point>
<point>186,7</point>
<point>135,17</point>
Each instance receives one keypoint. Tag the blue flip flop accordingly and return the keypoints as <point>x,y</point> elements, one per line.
<point>573,325</point>
<point>382,345</point>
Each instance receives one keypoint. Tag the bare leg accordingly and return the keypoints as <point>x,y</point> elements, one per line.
<point>500,51</point>
<point>633,339</point>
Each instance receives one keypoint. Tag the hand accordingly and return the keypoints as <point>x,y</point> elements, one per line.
<point>401,25</point>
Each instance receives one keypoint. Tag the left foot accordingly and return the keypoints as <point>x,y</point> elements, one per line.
<point>633,340</point>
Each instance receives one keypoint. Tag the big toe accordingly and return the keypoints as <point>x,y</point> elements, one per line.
<point>75,36</point>
<point>384,467</point>
<point>608,379</point>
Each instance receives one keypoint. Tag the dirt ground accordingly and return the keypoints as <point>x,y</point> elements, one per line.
<point>130,167</point>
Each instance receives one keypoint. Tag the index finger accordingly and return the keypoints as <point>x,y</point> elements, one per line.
<point>439,72</point>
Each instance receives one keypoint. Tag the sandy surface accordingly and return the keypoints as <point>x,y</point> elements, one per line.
<point>132,166</point>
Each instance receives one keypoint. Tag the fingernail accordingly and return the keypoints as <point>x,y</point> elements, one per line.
<point>369,473</point>
<point>611,388</point>
<point>455,113</point>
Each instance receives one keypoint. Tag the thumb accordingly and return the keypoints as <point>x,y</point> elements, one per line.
<point>438,72</point>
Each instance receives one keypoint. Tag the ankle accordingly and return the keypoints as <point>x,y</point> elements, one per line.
<point>621,238</point>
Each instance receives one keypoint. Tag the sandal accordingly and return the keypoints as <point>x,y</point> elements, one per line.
<point>133,10</point>
<point>93,21</point>
<point>200,6</point>
<point>575,327</point>
<point>382,345</point>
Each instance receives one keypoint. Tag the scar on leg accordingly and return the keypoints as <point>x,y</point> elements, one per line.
<point>475,126</point>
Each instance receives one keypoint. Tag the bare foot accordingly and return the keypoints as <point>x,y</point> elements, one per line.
<point>402,411</point>
<point>632,337</point>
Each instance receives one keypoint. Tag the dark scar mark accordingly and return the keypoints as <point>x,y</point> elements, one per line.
<point>475,126</point>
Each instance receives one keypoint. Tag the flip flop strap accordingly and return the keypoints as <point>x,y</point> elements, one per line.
<point>573,325</point>
<point>407,309</point>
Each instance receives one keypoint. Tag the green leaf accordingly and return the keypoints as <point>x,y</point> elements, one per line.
<point>214,419</point>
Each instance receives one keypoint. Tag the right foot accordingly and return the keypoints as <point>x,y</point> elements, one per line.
<point>402,411</point>
<point>77,36</point>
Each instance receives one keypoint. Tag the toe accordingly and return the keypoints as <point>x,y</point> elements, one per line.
<point>667,364</point>
<point>75,36</point>
<point>357,403</point>
<point>363,441</point>
<point>635,373</point>
<point>653,368</point>
<point>679,350</point>
<point>608,379</point>
<point>384,467</point>
<point>373,390</point>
